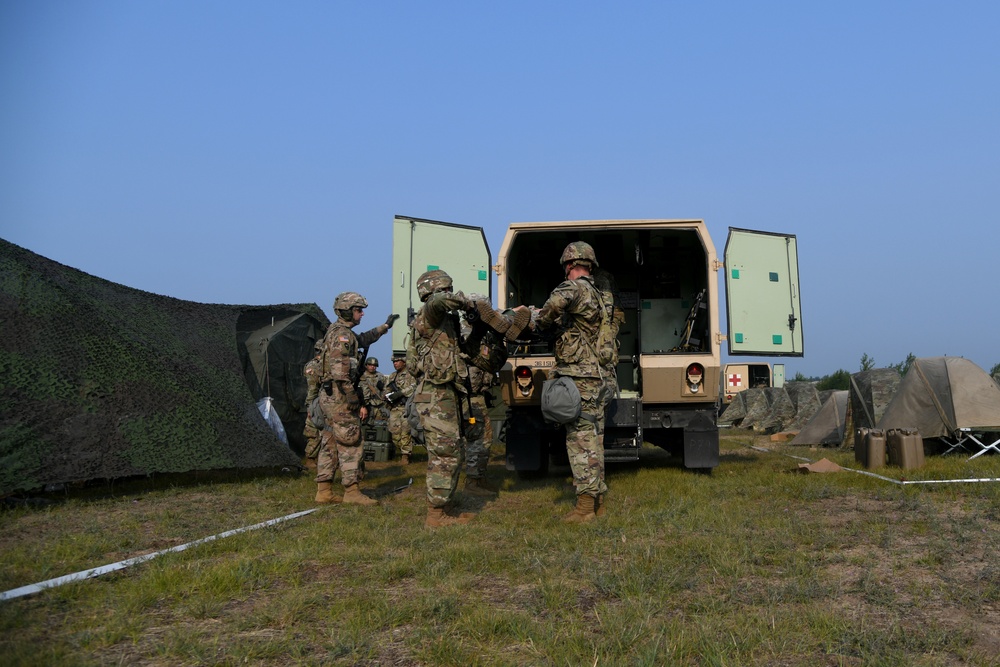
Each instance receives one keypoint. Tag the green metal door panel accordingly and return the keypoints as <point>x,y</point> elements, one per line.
<point>420,245</point>
<point>762,294</point>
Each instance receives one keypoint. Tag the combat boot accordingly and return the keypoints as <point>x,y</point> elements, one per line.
<point>353,496</point>
<point>584,510</point>
<point>309,463</point>
<point>477,486</point>
<point>599,506</point>
<point>405,460</point>
<point>441,516</point>
<point>324,494</point>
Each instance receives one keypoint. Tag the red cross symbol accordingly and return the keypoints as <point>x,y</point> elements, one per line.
<point>735,380</point>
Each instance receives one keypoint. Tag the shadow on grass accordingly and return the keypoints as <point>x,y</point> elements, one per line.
<point>102,489</point>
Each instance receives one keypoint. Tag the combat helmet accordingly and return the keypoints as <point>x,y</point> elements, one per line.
<point>371,361</point>
<point>345,301</point>
<point>432,281</point>
<point>578,251</point>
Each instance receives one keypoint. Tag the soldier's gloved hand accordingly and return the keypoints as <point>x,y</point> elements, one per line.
<point>391,319</point>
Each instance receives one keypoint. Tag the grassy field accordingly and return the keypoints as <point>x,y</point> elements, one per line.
<point>756,564</point>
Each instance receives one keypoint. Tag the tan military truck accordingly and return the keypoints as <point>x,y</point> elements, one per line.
<point>666,278</point>
<point>740,377</point>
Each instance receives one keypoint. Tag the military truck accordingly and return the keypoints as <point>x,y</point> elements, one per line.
<point>740,377</point>
<point>665,276</point>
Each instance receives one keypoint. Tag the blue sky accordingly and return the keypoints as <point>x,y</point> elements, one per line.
<point>256,152</point>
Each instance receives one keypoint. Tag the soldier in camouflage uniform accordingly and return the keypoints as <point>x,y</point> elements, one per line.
<point>440,396</point>
<point>477,450</point>
<point>485,353</point>
<point>576,309</point>
<point>341,403</point>
<point>399,387</point>
<point>372,388</point>
<point>436,359</point>
<point>312,373</point>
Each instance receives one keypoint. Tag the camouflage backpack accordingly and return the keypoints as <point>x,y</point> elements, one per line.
<point>607,341</point>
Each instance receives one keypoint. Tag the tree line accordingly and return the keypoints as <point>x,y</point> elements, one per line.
<point>841,379</point>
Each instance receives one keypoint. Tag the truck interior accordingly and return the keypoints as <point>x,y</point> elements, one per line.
<point>661,277</point>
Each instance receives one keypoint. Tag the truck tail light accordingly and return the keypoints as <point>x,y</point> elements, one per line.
<point>694,374</point>
<point>522,376</point>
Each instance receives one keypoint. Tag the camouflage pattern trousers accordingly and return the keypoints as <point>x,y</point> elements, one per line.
<point>342,442</point>
<point>399,429</point>
<point>477,452</point>
<point>585,440</point>
<point>312,436</point>
<point>438,410</point>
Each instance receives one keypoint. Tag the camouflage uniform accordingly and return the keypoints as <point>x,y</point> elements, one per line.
<point>606,284</point>
<point>399,429</point>
<point>372,390</point>
<point>477,451</point>
<point>575,306</point>
<point>434,356</point>
<point>341,404</point>
<point>312,373</point>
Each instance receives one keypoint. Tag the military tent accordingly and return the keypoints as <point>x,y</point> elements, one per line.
<point>274,346</point>
<point>827,425</point>
<point>941,395</point>
<point>103,381</point>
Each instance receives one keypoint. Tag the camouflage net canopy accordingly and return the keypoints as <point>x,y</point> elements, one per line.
<point>102,381</point>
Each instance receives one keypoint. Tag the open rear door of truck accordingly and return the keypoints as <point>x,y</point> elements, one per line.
<point>420,245</point>
<point>762,294</point>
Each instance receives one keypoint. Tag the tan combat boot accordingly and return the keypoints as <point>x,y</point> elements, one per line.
<point>584,510</point>
<point>477,486</point>
<point>324,494</point>
<point>440,516</point>
<point>353,496</point>
<point>405,460</point>
<point>310,464</point>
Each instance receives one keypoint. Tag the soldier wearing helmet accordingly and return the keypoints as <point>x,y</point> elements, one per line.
<point>312,432</point>
<point>436,361</point>
<point>341,404</point>
<point>372,387</point>
<point>575,310</point>
<point>399,387</point>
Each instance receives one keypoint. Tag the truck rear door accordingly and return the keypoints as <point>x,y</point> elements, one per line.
<point>762,294</point>
<point>420,245</point>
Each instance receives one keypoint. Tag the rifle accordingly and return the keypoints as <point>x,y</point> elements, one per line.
<point>361,356</point>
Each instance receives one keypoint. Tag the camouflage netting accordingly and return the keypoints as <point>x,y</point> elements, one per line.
<point>805,398</point>
<point>102,381</point>
<point>767,408</point>
<point>781,413</point>
<point>735,412</point>
<point>870,394</point>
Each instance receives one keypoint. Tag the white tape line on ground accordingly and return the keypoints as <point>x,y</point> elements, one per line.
<point>122,564</point>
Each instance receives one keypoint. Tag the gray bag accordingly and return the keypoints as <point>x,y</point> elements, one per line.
<point>560,400</point>
<point>412,417</point>
<point>315,414</point>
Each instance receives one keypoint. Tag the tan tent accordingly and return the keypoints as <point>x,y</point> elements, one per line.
<point>827,425</point>
<point>940,395</point>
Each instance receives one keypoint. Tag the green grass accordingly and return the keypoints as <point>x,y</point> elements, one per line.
<point>754,564</point>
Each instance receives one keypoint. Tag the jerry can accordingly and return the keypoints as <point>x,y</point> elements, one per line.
<point>869,447</point>
<point>906,448</point>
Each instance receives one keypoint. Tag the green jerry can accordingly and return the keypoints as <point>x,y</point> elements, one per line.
<point>906,448</point>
